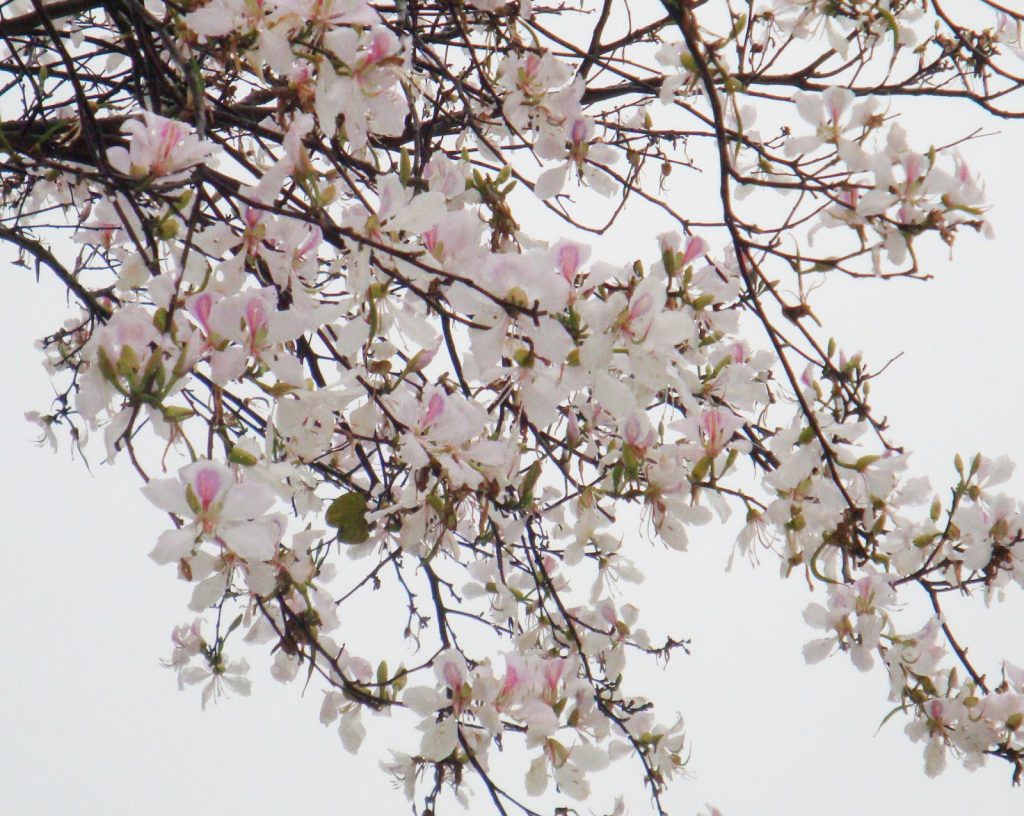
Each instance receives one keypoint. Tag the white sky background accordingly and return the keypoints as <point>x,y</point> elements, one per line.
<point>91,724</point>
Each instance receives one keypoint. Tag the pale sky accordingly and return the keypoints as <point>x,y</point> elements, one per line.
<point>93,725</point>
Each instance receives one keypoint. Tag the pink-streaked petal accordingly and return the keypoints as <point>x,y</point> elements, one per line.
<point>209,480</point>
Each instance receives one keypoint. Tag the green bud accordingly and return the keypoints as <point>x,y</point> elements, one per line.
<point>730,460</point>
<point>240,456</point>
<point>865,462</point>
<point>106,367</point>
<point>703,301</point>
<point>128,362</point>
<point>523,357</point>
<point>167,228</point>
<point>401,679</point>
<point>530,480</point>
<point>176,413</point>
<point>701,469</point>
<point>405,167</point>
<point>806,435</point>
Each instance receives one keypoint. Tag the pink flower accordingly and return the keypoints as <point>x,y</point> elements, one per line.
<point>252,320</point>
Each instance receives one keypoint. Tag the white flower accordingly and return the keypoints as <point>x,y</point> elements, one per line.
<point>159,148</point>
<point>219,677</point>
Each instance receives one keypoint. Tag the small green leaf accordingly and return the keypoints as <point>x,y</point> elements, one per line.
<point>348,514</point>
<point>234,625</point>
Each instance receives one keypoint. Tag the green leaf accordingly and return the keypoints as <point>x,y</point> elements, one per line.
<point>234,625</point>
<point>348,514</point>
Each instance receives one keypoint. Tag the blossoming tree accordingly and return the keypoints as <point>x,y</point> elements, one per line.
<point>354,300</point>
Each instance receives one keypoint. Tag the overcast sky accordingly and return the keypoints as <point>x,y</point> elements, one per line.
<point>92,724</point>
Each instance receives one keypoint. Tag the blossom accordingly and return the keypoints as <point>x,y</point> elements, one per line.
<point>331,13</point>
<point>709,433</point>
<point>45,424</point>
<point>526,279</point>
<point>827,111</point>
<point>215,506</point>
<point>364,94</point>
<point>578,147</point>
<point>867,600</point>
<point>1009,31</point>
<point>187,641</point>
<point>129,356</point>
<point>219,677</point>
<point>159,148</point>
<point>103,226</point>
